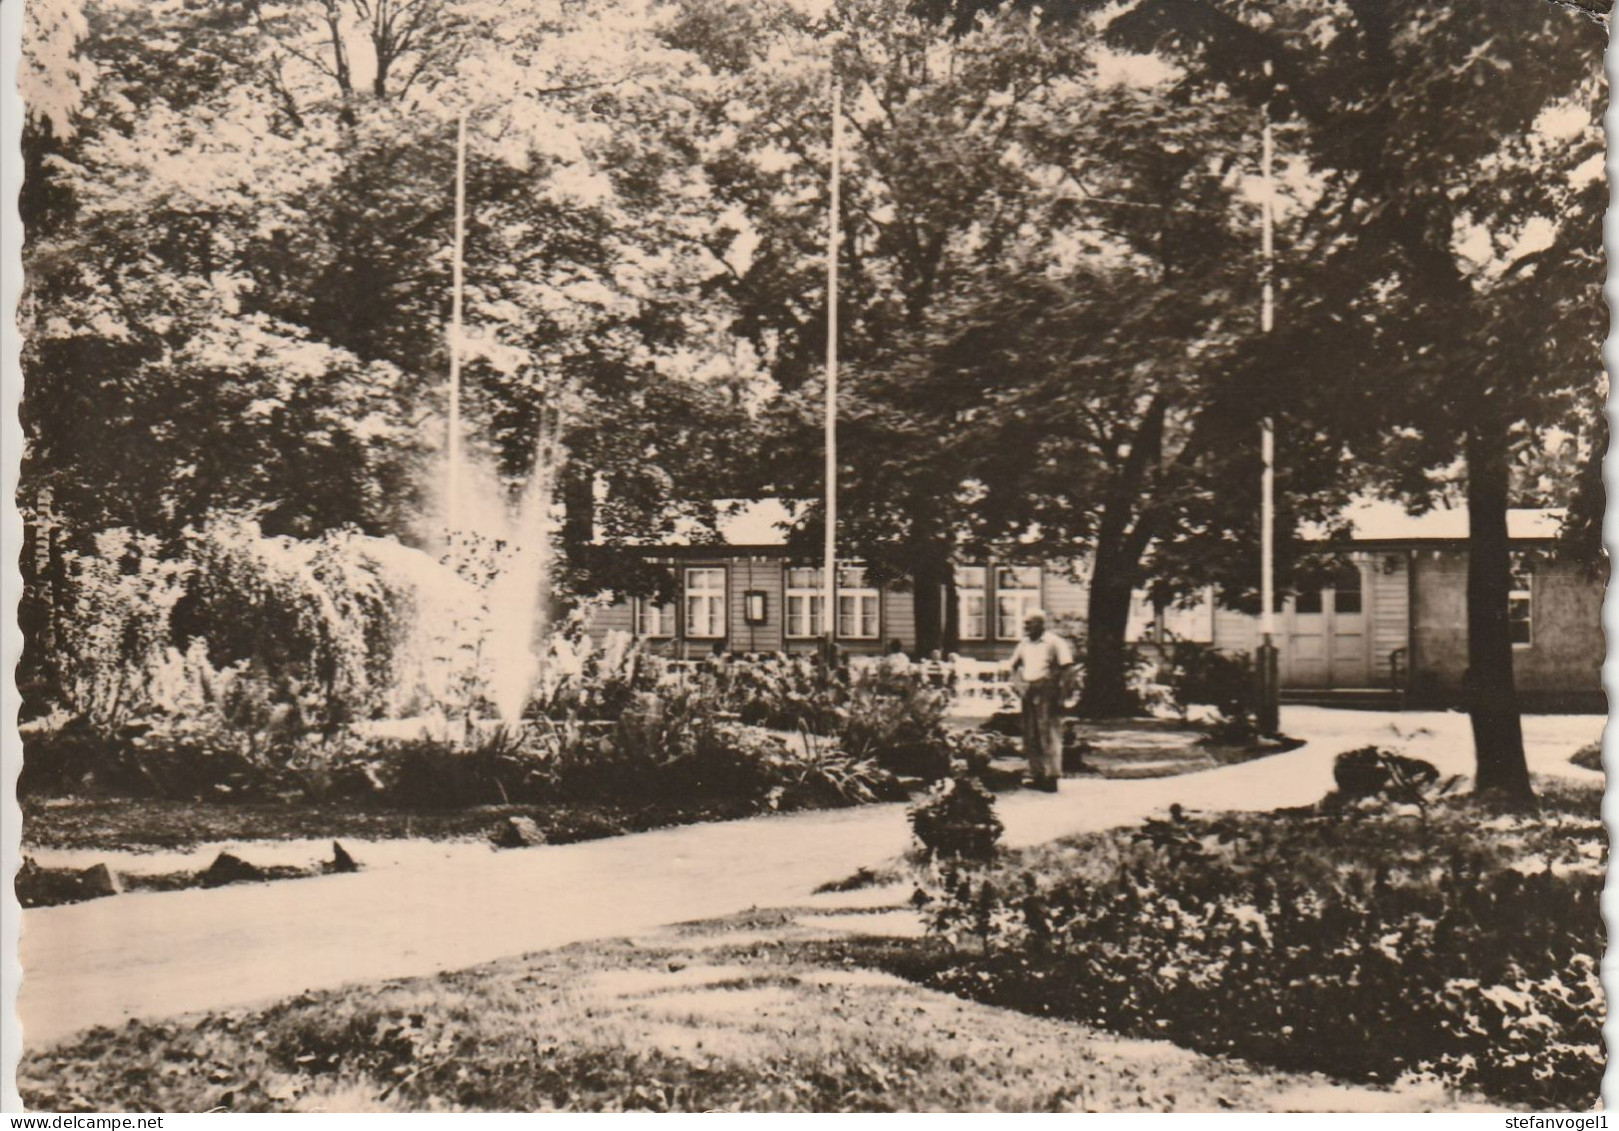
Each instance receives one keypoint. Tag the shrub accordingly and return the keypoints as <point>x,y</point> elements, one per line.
<point>71,759</point>
<point>822,774</point>
<point>784,693</point>
<point>1201,674</point>
<point>977,749</point>
<point>1374,772</point>
<point>319,619</point>
<point>113,634</point>
<point>501,768</point>
<point>1144,684</point>
<point>956,822</point>
<point>897,720</point>
<point>1588,757</point>
<point>1310,942</point>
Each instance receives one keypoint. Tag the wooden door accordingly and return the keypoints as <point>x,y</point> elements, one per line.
<point>1306,652</point>
<point>1351,649</point>
<point>1324,635</point>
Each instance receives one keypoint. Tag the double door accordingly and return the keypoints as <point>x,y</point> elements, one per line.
<point>1324,635</point>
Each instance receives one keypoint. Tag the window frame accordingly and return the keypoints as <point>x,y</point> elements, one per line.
<point>714,598</point>
<point>1028,598</point>
<point>668,617</point>
<point>966,591</point>
<point>852,586</point>
<point>812,596</point>
<point>1339,591</point>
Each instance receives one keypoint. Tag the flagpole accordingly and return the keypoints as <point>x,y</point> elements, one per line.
<point>829,556</point>
<point>1270,693</point>
<point>452,486</point>
<point>1267,321</point>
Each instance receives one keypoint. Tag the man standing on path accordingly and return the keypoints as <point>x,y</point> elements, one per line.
<point>1039,669</point>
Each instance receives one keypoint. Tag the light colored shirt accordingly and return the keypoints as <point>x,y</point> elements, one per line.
<point>1040,659</point>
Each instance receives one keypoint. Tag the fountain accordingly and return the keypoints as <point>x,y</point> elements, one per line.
<point>481,600</point>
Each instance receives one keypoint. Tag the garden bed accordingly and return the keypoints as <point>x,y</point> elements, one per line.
<point>142,843</point>
<point>147,823</point>
<point>1374,943</point>
<point>1142,748</point>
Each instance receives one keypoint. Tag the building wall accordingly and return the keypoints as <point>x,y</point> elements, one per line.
<point>899,618</point>
<point>617,617</point>
<point>1560,669</point>
<point>1063,592</point>
<point>1438,626</point>
<point>1415,601</point>
<point>1564,663</point>
<point>1063,595</point>
<point>1388,582</point>
<point>765,573</point>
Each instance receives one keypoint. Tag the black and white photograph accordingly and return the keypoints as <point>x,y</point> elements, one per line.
<point>805,556</point>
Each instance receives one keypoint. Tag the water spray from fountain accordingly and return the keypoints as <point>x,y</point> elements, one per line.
<point>503,548</point>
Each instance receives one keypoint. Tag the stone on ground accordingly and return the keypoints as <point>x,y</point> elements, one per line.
<point>98,880</point>
<point>518,832</point>
<point>341,860</point>
<point>228,869</point>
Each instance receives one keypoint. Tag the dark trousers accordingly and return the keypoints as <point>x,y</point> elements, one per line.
<point>1042,728</point>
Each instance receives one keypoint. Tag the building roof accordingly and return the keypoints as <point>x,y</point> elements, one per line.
<point>765,523</point>
<point>755,522</point>
<point>1379,520</point>
<point>738,522</point>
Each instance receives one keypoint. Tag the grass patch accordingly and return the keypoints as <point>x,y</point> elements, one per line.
<point>758,1013</point>
<point>1369,943</point>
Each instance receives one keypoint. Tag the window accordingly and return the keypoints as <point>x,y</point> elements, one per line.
<point>1346,597</point>
<point>1308,602</point>
<point>971,601</point>
<point>705,603</point>
<point>653,619</point>
<point>804,600</point>
<point>1017,593</point>
<point>1521,604</point>
<point>857,606</point>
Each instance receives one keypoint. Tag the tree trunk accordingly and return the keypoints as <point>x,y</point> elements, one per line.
<point>1107,694</point>
<point>931,581</point>
<point>1492,699</point>
<point>578,534</point>
<point>1122,537</point>
<point>578,508</point>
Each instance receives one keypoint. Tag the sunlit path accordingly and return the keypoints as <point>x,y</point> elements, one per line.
<point>157,954</point>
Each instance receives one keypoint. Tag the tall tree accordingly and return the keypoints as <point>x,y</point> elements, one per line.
<point>239,262</point>
<point>1442,212</point>
<point>932,187</point>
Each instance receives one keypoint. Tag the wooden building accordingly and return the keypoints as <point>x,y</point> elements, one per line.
<point>1394,618</point>
<point>1390,627</point>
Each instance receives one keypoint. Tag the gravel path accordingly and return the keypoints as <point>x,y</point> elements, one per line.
<point>163,953</point>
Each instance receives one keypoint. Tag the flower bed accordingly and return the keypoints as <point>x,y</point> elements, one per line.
<point>1371,944</point>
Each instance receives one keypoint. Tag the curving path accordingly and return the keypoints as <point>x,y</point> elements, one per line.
<point>156,954</point>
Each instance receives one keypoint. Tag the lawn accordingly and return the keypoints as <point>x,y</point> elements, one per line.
<point>774,1011</point>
